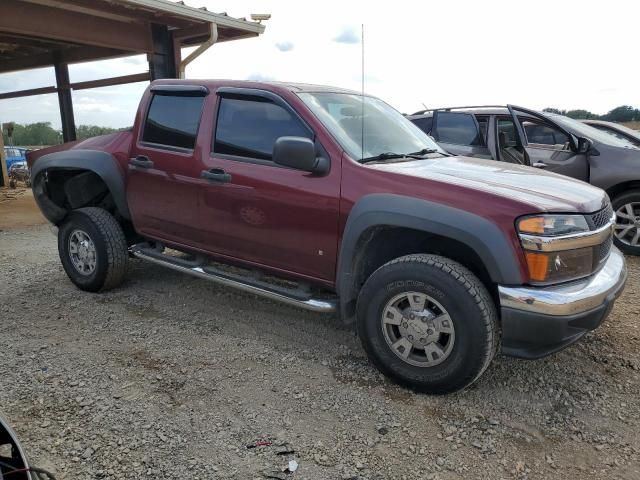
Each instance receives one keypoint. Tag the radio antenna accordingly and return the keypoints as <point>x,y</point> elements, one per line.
<point>362,113</point>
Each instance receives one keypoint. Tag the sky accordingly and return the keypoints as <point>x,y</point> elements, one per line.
<point>561,53</point>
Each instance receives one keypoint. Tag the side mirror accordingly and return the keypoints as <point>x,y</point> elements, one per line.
<point>584,145</point>
<point>298,153</point>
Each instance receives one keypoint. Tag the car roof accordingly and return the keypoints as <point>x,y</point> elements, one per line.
<point>488,110</point>
<point>265,85</point>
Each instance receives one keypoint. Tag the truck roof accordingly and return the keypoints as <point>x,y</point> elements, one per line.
<point>270,85</point>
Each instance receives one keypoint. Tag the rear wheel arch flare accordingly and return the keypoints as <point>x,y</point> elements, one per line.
<point>102,164</point>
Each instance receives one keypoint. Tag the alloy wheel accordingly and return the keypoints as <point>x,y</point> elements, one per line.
<point>82,252</point>
<point>418,329</point>
<point>627,229</point>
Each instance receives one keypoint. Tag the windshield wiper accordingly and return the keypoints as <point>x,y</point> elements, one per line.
<point>392,156</point>
<point>383,156</point>
<point>426,151</point>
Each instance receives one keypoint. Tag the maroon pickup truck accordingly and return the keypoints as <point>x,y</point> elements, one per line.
<point>332,201</point>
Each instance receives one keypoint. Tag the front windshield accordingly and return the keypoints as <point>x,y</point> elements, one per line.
<point>383,129</point>
<point>584,130</point>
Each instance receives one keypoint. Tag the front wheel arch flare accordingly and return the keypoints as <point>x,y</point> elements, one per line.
<point>478,233</point>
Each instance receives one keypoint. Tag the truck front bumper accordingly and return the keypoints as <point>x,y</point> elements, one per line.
<point>538,321</point>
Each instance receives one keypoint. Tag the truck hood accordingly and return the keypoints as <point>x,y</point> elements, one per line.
<point>542,190</point>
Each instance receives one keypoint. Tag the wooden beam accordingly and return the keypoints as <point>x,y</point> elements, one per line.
<point>68,55</point>
<point>30,41</point>
<point>107,82</point>
<point>84,9</point>
<point>117,11</point>
<point>28,93</point>
<point>66,102</point>
<point>68,26</point>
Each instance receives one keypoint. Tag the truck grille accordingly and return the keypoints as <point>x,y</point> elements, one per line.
<point>601,252</point>
<point>598,220</point>
<point>601,218</point>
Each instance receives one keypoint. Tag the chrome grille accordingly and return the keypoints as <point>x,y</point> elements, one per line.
<point>598,220</point>
<point>601,218</point>
<point>601,252</point>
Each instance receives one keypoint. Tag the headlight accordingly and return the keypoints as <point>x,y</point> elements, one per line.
<point>553,225</point>
<point>550,248</point>
<point>556,267</point>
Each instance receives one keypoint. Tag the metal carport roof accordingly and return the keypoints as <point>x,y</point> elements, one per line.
<point>45,33</point>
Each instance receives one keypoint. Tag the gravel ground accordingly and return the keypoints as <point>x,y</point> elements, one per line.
<point>171,377</point>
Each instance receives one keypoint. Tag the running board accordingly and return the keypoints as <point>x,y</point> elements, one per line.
<point>199,269</point>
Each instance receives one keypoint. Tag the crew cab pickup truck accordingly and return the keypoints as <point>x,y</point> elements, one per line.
<point>332,201</point>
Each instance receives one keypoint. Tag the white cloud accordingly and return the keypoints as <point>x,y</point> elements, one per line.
<point>285,46</point>
<point>347,35</point>
<point>259,77</point>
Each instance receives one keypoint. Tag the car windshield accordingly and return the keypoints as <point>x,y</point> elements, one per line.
<point>584,130</point>
<point>352,118</point>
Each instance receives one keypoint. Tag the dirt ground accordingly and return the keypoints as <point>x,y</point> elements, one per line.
<point>18,209</point>
<point>171,377</point>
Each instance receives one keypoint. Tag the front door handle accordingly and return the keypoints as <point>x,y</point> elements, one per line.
<point>540,165</point>
<point>141,161</point>
<point>217,175</point>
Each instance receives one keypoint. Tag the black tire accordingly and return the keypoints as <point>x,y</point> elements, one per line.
<point>12,183</point>
<point>462,295</point>
<point>630,196</point>
<point>110,248</point>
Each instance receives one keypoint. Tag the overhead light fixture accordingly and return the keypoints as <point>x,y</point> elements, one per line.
<point>259,17</point>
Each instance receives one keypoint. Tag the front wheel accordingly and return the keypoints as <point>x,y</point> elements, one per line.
<point>627,229</point>
<point>93,249</point>
<point>428,323</point>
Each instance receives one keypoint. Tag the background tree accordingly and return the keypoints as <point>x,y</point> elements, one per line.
<point>87,131</point>
<point>581,114</point>
<point>621,114</point>
<point>624,113</point>
<point>42,133</point>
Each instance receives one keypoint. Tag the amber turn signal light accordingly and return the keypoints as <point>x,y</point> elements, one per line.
<point>538,264</point>
<point>532,225</point>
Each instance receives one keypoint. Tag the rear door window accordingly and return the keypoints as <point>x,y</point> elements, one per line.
<point>457,128</point>
<point>424,123</point>
<point>173,121</point>
<point>483,124</point>
<point>249,127</point>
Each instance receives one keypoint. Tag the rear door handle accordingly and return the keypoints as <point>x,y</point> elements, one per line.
<point>217,175</point>
<point>141,161</point>
<point>540,165</point>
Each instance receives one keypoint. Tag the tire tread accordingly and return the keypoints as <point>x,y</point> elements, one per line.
<point>478,293</point>
<point>115,241</point>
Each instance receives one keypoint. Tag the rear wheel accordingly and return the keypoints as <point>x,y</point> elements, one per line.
<point>627,229</point>
<point>428,323</point>
<point>93,249</point>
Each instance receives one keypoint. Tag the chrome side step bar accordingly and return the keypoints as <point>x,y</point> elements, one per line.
<point>201,270</point>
